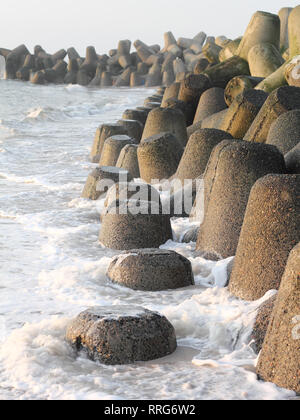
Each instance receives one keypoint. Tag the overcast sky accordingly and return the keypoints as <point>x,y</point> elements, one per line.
<point>56,24</point>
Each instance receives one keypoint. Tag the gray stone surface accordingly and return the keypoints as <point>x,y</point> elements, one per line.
<point>119,335</point>
<point>270,230</point>
<point>151,270</point>
<point>279,361</point>
<point>133,224</point>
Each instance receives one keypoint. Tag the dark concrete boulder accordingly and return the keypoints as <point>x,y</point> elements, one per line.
<point>285,131</point>
<point>242,112</point>
<point>239,84</point>
<point>104,132</point>
<point>112,149</point>
<point>101,179</point>
<point>128,160</point>
<point>123,191</point>
<point>151,270</point>
<point>135,114</point>
<point>261,324</point>
<point>192,87</point>
<point>134,224</point>
<point>170,92</point>
<point>233,169</point>
<point>134,128</point>
<point>161,120</point>
<point>292,160</point>
<point>279,360</point>
<point>270,230</point>
<point>119,335</point>
<point>220,74</point>
<point>211,102</point>
<point>159,157</point>
<point>15,60</point>
<point>197,152</point>
<point>280,101</point>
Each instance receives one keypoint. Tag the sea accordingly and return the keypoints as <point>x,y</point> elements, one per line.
<point>52,267</point>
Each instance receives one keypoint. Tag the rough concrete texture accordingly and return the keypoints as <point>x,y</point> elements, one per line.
<point>270,230</point>
<point>192,87</point>
<point>242,112</point>
<point>263,27</point>
<point>215,120</point>
<point>132,224</point>
<point>279,361</point>
<point>159,157</point>
<point>232,171</point>
<point>264,59</point>
<point>197,152</point>
<point>294,32</point>
<point>211,102</point>
<point>128,160</point>
<point>135,114</point>
<point>238,85</point>
<point>292,160</point>
<point>261,324</point>
<point>220,74</point>
<point>92,189</point>
<point>169,120</point>
<point>104,132</point>
<point>151,270</point>
<point>285,131</point>
<point>119,335</point>
<point>133,128</point>
<point>112,149</point>
<point>281,100</point>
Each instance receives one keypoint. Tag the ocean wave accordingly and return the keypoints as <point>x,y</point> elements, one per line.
<point>40,182</point>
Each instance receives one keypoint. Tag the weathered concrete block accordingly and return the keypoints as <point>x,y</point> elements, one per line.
<point>135,114</point>
<point>220,74</point>
<point>270,230</point>
<point>261,324</point>
<point>211,102</point>
<point>121,335</point>
<point>201,65</point>
<point>284,14</point>
<point>285,131</point>
<point>279,361</point>
<point>215,120</point>
<point>192,87</point>
<point>151,270</point>
<point>104,132</point>
<point>243,111</point>
<point>159,157</point>
<point>281,100</point>
<point>238,85</point>
<point>162,120</point>
<point>294,32</point>
<point>292,160</point>
<point>93,187</point>
<point>263,27</point>
<point>134,128</point>
<point>198,151</point>
<point>106,79</point>
<point>112,149</point>
<point>230,49</point>
<point>171,92</point>
<point>132,224</point>
<point>128,160</point>
<point>264,59</point>
<point>233,169</point>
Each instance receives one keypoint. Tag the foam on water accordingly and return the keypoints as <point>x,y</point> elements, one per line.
<point>53,267</point>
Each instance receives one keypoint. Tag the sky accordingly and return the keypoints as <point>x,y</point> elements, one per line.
<point>57,24</point>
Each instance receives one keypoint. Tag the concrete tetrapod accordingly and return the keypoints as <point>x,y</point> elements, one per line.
<point>279,361</point>
<point>281,100</point>
<point>131,224</point>
<point>119,335</point>
<point>270,230</point>
<point>151,270</point>
<point>233,169</point>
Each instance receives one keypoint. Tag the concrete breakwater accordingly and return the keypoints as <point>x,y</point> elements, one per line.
<point>223,125</point>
